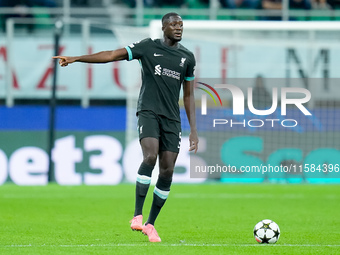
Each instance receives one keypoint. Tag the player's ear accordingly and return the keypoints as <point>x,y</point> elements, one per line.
<point>164,24</point>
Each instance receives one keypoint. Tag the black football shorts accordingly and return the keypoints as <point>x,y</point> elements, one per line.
<point>167,131</point>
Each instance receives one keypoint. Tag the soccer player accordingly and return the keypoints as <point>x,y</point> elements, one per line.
<point>166,65</point>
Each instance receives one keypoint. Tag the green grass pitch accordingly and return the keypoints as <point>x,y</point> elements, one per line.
<point>196,219</point>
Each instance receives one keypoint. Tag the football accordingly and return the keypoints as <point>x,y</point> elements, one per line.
<point>266,231</point>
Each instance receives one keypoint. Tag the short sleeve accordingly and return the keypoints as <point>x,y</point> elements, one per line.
<point>189,74</point>
<point>135,50</point>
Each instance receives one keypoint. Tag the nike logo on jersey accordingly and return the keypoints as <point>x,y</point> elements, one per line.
<point>157,55</point>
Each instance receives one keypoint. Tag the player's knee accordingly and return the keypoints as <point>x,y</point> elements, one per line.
<point>150,159</point>
<point>166,173</point>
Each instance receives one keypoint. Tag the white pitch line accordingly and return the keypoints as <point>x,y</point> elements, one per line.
<point>168,245</point>
<point>235,196</point>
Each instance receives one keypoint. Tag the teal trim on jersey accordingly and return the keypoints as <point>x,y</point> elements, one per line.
<point>140,62</point>
<point>129,52</point>
<point>189,78</point>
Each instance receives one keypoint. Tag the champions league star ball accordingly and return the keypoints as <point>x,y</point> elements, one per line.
<point>266,231</point>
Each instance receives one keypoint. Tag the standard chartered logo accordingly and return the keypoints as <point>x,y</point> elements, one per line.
<point>167,72</point>
<point>158,70</point>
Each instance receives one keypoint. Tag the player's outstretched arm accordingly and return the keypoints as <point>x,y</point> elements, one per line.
<point>189,105</point>
<point>100,57</point>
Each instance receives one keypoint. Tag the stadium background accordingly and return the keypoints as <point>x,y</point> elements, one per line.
<point>95,122</point>
<point>88,208</point>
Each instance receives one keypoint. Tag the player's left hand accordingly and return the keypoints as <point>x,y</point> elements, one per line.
<point>193,140</point>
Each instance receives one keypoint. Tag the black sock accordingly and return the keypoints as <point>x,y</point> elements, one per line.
<point>160,195</point>
<point>142,186</point>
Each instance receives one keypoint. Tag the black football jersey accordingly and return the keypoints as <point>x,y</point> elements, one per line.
<point>163,70</point>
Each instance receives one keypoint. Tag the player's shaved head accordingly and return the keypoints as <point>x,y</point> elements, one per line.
<point>167,16</point>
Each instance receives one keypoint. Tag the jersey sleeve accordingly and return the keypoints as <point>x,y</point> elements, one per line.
<point>189,74</point>
<point>135,50</point>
